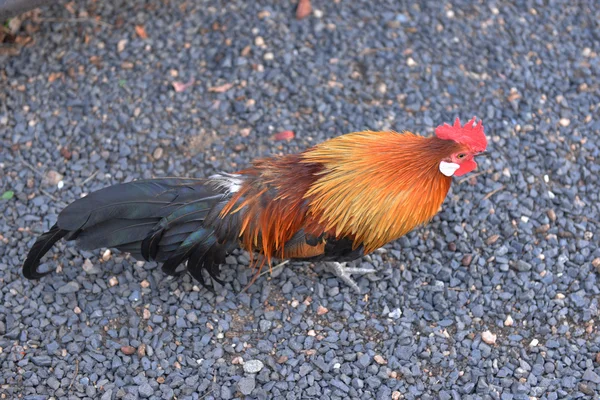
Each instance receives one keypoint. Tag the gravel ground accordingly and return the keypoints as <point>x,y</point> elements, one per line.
<point>496,299</point>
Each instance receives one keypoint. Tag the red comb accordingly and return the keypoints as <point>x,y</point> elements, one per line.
<point>470,134</point>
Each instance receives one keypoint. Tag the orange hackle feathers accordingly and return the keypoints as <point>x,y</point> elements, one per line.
<point>371,187</point>
<point>377,186</point>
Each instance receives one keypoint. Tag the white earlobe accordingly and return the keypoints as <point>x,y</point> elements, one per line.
<point>448,168</point>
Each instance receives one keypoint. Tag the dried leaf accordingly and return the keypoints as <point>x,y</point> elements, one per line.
<point>129,350</point>
<point>180,86</point>
<point>221,89</point>
<point>23,40</point>
<point>95,60</point>
<point>70,6</point>
<point>14,24</point>
<point>285,135</point>
<point>66,153</point>
<point>141,31</point>
<point>54,76</point>
<point>303,10</point>
<point>10,50</point>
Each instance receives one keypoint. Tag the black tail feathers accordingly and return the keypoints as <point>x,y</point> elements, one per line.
<point>41,247</point>
<point>160,219</point>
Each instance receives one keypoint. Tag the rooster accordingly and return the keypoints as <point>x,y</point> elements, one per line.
<point>333,203</point>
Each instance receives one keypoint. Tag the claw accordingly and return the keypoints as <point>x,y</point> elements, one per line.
<point>343,273</point>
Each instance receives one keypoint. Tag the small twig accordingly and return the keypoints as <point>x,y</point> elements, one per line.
<point>76,373</point>
<point>31,167</point>
<point>205,394</point>
<point>463,180</point>
<point>258,274</point>
<point>89,178</point>
<point>375,50</point>
<point>274,268</point>
<point>49,195</point>
<point>78,20</point>
<point>493,192</point>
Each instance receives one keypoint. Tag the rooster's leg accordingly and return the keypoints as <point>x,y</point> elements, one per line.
<point>343,273</point>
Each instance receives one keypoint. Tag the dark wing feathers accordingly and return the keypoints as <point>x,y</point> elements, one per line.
<point>195,210</point>
<point>200,240</point>
<point>157,219</point>
<point>114,233</point>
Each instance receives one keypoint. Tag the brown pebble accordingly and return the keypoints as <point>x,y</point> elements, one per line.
<point>380,360</point>
<point>160,379</point>
<point>282,359</point>
<point>66,153</point>
<point>551,215</point>
<point>52,177</point>
<point>452,246</point>
<point>596,262</point>
<point>322,310</point>
<point>466,261</point>
<point>245,132</point>
<point>598,358</point>
<point>158,152</point>
<point>585,389</point>
<point>129,350</point>
<point>492,239</point>
<point>488,337</point>
<point>141,351</point>
<point>543,228</point>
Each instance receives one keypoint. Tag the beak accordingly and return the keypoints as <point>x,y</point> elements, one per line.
<point>483,154</point>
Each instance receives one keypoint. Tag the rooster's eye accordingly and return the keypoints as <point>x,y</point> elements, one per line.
<point>461,155</point>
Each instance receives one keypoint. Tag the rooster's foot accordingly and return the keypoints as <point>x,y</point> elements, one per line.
<point>343,273</point>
